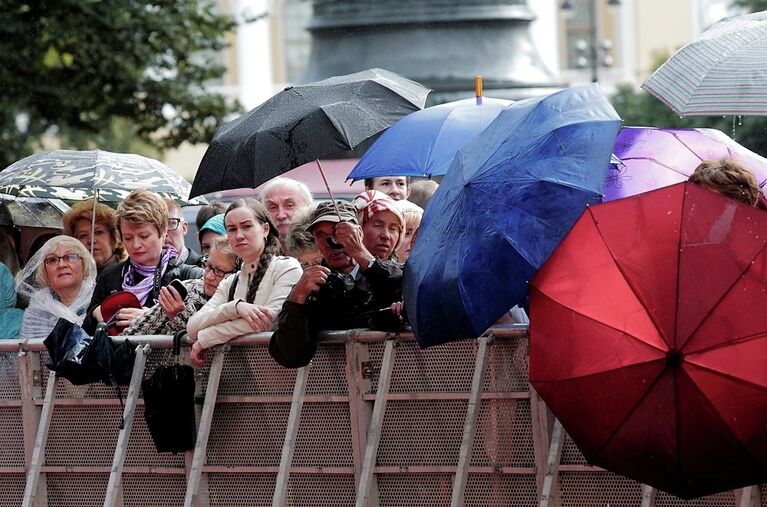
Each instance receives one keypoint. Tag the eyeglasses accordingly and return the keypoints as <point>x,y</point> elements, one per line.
<point>173,223</point>
<point>69,258</point>
<point>217,272</point>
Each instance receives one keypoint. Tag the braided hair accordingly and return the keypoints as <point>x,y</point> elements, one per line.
<point>271,242</point>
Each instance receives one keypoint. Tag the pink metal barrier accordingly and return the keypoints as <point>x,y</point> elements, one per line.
<point>373,421</point>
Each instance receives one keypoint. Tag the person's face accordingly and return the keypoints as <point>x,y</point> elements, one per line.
<point>403,252</point>
<point>245,233</point>
<point>64,274</point>
<point>282,203</point>
<point>143,242</point>
<point>219,265</point>
<point>177,227</point>
<point>396,188</point>
<point>309,257</point>
<point>380,234</point>
<point>206,239</point>
<point>336,259</point>
<point>103,245</point>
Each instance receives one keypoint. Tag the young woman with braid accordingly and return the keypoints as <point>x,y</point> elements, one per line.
<point>246,301</point>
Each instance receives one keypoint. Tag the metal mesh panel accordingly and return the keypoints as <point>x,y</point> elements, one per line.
<point>9,376</point>
<point>597,489</point>
<point>423,432</point>
<point>324,436</point>
<point>327,374</point>
<point>81,490</point>
<point>504,434</point>
<point>82,435</point>
<point>500,491</point>
<point>247,434</point>
<point>251,372</point>
<point>320,490</point>
<point>446,368</point>
<point>726,499</point>
<point>423,490</point>
<point>12,489</point>
<point>141,449</point>
<point>141,490</point>
<point>229,490</point>
<point>571,455</point>
<point>11,437</point>
<point>507,366</point>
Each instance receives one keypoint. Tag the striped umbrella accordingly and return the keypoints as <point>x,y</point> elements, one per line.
<point>722,72</point>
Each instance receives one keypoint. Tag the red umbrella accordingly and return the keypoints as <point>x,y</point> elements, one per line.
<point>648,339</point>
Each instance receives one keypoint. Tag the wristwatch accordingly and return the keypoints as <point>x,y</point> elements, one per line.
<point>370,263</point>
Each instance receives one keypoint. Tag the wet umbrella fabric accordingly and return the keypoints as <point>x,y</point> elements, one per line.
<point>721,72</point>
<point>424,143</point>
<point>304,123</point>
<point>648,339</point>
<point>506,201</point>
<point>77,175</point>
<point>651,158</point>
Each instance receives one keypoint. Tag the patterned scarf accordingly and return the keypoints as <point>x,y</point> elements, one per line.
<point>150,274</point>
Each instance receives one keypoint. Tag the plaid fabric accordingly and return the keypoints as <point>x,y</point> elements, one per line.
<point>370,202</point>
<point>156,321</point>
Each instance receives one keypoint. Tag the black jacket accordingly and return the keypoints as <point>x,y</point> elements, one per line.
<point>110,281</point>
<point>294,343</point>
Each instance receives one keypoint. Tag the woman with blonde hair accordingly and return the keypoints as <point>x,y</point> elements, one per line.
<point>59,281</point>
<point>142,219</point>
<point>80,220</point>
<point>248,301</point>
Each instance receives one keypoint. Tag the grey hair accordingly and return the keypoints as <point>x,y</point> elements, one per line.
<point>304,193</point>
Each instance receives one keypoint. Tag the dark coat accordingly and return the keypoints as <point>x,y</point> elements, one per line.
<point>334,307</point>
<point>110,281</point>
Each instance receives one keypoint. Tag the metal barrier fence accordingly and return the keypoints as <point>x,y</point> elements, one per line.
<point>373,421</point>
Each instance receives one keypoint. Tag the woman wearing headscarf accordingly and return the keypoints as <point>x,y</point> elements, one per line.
<point>246,302</point>
<point>107,248</point>
<point>59,281</point>
<point>10,316</point>
<point>142,219</point>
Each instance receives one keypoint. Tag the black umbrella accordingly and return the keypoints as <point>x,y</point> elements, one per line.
<point>305,123</point>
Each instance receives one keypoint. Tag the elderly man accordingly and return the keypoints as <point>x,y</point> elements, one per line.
<point>396,187</point>
<point>283,197</point>
<point>177,229</point>
<point>349,289</point>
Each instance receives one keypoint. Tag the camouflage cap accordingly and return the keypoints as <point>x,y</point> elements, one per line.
<point>326,212</point>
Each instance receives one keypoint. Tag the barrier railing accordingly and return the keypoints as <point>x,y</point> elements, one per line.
<point>374,420</point>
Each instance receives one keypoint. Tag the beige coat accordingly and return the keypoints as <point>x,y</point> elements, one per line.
<point>217,322</point>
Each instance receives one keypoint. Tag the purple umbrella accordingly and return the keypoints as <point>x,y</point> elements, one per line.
<point>652,158</point>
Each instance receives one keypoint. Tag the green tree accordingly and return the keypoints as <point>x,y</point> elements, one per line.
<point>110,73</point>
<point>751,5</point>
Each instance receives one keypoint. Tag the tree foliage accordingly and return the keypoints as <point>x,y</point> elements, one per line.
<point>109,72</point>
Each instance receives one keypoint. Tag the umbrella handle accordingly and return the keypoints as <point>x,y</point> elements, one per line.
<point>93,218</point>
<point>332,199</point>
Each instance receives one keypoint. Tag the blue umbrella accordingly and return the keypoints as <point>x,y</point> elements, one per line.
<point>424,143</point>
<point>507,200</point>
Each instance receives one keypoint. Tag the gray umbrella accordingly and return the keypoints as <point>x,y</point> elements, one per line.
<point>305,123</point>
<point>79,175</point>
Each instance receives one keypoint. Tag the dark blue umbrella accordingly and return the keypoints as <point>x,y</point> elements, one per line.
<point>424,143</point>
<point>507,200</point>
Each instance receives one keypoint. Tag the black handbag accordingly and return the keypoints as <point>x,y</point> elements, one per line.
<point>69,354</point>
<point>169,404</point>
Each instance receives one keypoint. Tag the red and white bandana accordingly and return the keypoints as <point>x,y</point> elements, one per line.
<point>370,202</point>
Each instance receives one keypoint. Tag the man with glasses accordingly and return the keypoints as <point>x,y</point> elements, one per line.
<point>177,229</point>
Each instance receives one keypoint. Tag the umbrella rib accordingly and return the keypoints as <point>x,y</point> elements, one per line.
<point>628,282</point>
<point>724,294</point>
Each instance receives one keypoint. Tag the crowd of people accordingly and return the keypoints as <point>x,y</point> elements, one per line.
<point>281,264</point>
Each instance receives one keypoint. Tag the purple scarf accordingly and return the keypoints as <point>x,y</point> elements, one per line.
<point>143,288</point>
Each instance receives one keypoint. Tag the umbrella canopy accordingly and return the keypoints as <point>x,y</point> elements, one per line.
<point>720,72</point>
<point>506,201</point>
<point>424,143</point>
<point>305,123</point>
<point>650,158</point>
<point>76,175</point>
<point>648,339</point>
